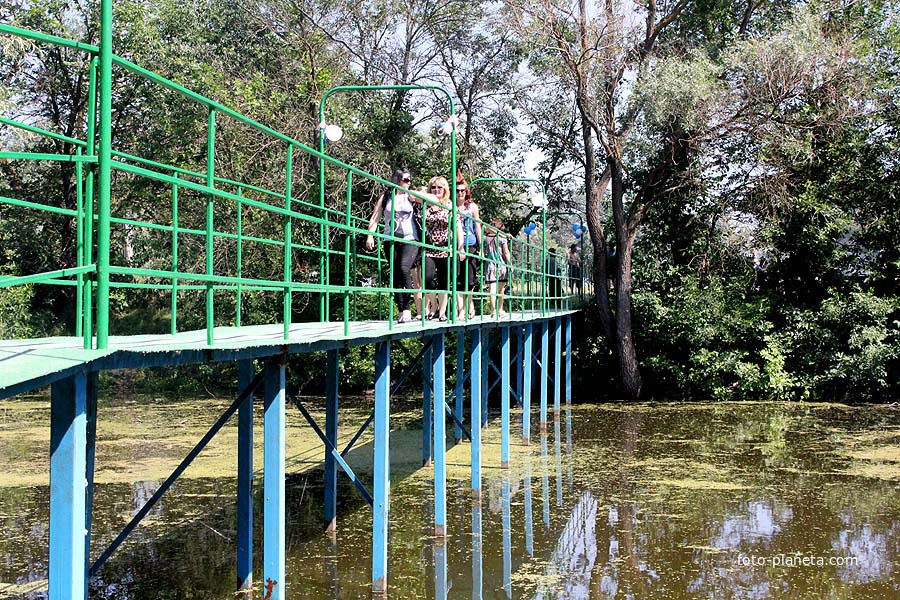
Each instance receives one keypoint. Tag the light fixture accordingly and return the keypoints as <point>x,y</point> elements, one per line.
<point>448,126</point>
<point>333,133</point>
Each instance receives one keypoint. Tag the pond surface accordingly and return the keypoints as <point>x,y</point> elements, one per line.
<point>615,501</point>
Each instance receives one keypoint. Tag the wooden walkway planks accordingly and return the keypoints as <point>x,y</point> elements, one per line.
<point>29,364</point>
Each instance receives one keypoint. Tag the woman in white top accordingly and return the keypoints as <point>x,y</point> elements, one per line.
<point>396,207</point>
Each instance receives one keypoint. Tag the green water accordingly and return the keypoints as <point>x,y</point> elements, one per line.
<point>615,501</point>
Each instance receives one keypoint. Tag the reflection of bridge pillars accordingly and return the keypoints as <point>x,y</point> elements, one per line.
<point>568,320</point>
<point>545,366</point>
<point>245,482</point>
<point>526,386</point>
<point>440,569</point>
<point>475,413</point>
<point>477,542</point>
<point>68,466</point>
<point>428,385</point>
<point>557,359</point>
<point>332,383</point>
<point>504,397</point>
<point>440,443</point>
<point>381,466</point>
<point>545,481</point>
<point>331,566</point>
<point>460,384</point>
<point>557,447</point>
<point>507,537</point>
<point>569,446</point>
<point>273,479</point>
<point>529,520</point>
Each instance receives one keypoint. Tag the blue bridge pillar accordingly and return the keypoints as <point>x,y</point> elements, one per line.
<point>526,387</point>
<point>273,479</point>
<point>440,440</point>
<point>68,464</point>
<point>382,482</point>
<point>504,397</point>
<point>460,384</point>
<point>428,385</point>
<point>568,359</point>
<point>557,361</point>
<point>545,372</point>
<point>475,409</point>
<point>245,481</point>
<point>332,396</point>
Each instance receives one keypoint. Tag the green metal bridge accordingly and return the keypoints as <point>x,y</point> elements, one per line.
<point>350,291</point>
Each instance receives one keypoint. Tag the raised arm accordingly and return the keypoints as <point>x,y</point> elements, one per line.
<point>377,213</point>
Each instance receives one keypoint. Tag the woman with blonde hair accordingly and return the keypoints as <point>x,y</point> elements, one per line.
<point>437,226</point>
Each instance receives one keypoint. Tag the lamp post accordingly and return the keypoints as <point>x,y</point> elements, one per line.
<point>542,204</point>
<point>336,133</point>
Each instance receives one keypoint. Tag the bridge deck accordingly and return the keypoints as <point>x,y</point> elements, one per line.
<point>29,364</point>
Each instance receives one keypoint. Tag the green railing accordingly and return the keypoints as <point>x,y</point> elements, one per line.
<point>263,219</point>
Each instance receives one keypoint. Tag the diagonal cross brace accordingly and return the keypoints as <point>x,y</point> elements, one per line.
<point>457,421</point>
<point>337,455</point>
<point>496,381</point>
<point>248,391</point>
<point>400,381</point>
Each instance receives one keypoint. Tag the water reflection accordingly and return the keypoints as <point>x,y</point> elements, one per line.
<point>573,558</point>
<point>440,570</point>
<point>477,542</point>
<point>873,551</point>
<point>558,453</point>
<point>569,447</point>
<point>507,536</point>
<point>657,502</point>
<point>545,481</point>
<point>529,519</point>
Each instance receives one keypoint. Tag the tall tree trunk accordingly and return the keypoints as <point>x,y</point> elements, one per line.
<point>594,190</point>
<point>629,370</point>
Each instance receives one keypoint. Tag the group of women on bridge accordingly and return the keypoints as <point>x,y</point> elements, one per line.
<point>412,220</point>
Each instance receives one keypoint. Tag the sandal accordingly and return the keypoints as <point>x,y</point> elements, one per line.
<point>442,318</point>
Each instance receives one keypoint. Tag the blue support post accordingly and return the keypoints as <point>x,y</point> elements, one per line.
<point>273,480</point>
<point>428,377</point>
<point>460,380</point>
<point>557,362</point>
<point>568,359</point>
<point>245,481</point>
<point>382,482</point>
<point>485,370</point>
<point>68,465</point>
<point>332,395</point>
<point>526,387</point>
<point>545,365</point>
<point>520,355</point>
<point>440,443</point>
<point>475,402</point>
<point>93,386</point>
<point>504,397</point>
